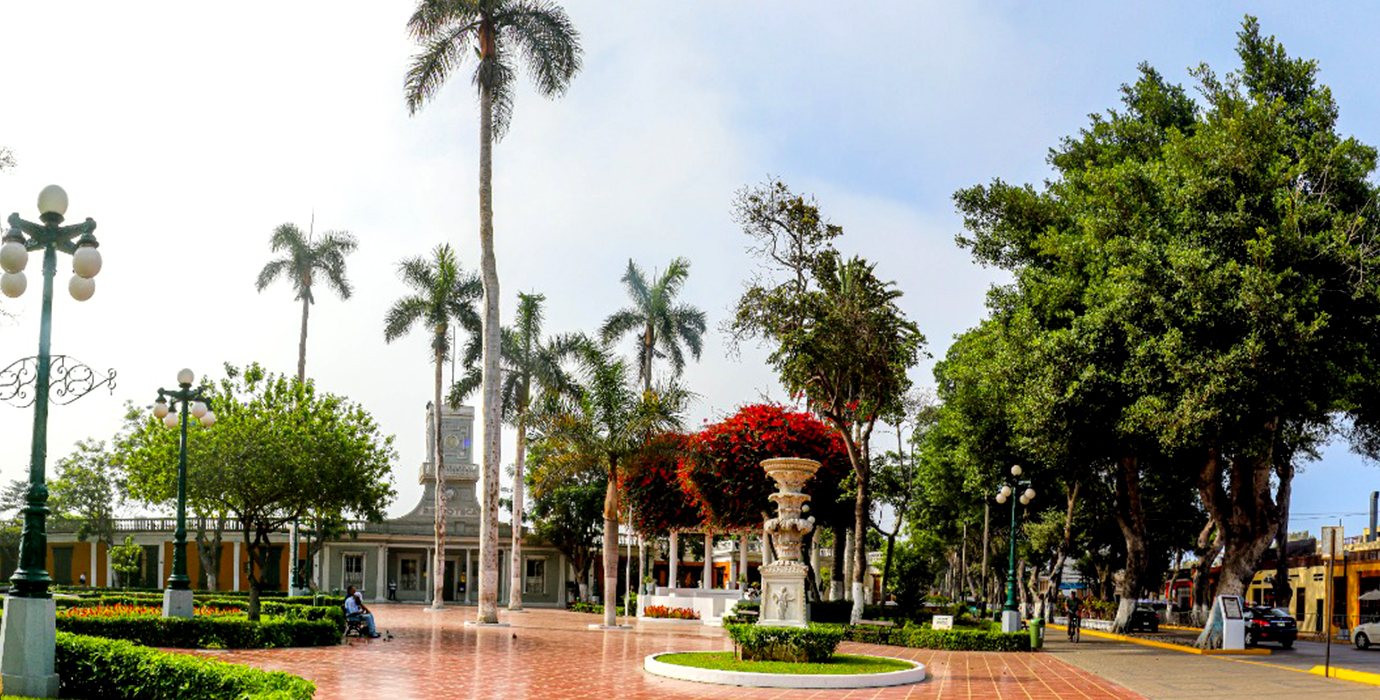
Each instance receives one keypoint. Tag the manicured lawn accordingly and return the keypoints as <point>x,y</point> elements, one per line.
<point>841,664</point>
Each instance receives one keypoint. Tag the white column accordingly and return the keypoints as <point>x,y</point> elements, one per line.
<point>469,585</point>
<point>673,581</point>
<point>560,581</point>
<point>325,572</point>
<point>846,568</point>
<point>162,557</point>
<point>742,560</point>
<point>237,567</point>
<point>707,578</point>
<point>768,556</point>
<point>92,578</point>
<point>381,591</point>
<point>109,568</point>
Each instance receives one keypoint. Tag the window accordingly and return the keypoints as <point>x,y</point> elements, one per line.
<point>409,578</point>
<point>535,579</point>
<point>354,570</point>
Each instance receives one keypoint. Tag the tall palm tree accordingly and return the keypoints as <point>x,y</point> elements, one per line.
<point>603,425</point>
<point>499,34</point>
<point>443,293</point>
<point>303,258</point>
<point>531,369</point>
<point>660,323</point>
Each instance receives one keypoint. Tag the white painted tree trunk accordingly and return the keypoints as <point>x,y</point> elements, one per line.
<point>438,566</point>
<point>491,378</point>
<point>707,578</point>
<point>516,580</point>
<point>674,579</point>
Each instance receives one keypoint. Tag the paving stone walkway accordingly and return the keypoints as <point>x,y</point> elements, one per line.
<point>1160,674</point>
<point>553,654</point>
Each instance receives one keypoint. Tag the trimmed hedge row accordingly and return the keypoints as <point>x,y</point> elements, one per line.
<point>112,669</point>
<point>813,644</point>
<point>210,632</point>
<point>949,640</point>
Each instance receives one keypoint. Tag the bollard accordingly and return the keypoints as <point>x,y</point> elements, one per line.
<point>1037,634</point>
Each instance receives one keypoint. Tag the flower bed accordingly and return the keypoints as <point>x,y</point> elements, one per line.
<point>668,613</point>
<point>123,610</point>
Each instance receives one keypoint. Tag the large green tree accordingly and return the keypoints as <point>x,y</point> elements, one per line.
<point>279,449</point>
<point>88,489</point>
<point>660,325</point>
<point>603,426</point>
<point>498,36</point>
<point>532,367</point>
<point>442,294</point>
<point>1199,269</point>
<point>304,259</point>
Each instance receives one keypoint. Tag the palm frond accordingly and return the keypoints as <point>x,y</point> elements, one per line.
<point>671,281</point>
<point>636,284</point>
<point>465,386</point>
<point>402,316</point>
<point>689,327</point>
<point>429,69</point>
<point>288,237</point>
<point>271,272</point>
<point>548,41</point>
<point>496,74</point>
<point>433,17</point>
<point>620,323</point>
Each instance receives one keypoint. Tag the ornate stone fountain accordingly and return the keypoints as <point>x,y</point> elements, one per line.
<point>783,581</point>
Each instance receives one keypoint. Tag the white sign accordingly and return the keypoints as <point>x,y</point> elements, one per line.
<point>1330,545</point>
<point>943,622</point>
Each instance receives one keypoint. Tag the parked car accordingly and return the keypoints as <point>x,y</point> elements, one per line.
<point>1270,625</point>
<point>1366,634</point>
<point>1144,617</point>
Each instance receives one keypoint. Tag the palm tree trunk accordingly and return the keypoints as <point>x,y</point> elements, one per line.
<point>302,344</point>
<point>488,522</point>
<point>648,347</point>
<point>515,584</point>
<point>438,567</point>
<point>611,550</point>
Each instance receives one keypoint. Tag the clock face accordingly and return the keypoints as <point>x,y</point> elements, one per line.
<point>452,442</point>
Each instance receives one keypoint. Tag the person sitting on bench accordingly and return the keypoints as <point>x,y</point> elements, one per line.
<point>355,610</point>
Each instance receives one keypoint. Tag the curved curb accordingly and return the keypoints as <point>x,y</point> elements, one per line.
<point>784,680</point>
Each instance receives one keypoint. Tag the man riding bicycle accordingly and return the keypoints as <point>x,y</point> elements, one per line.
<point>1073,607</point>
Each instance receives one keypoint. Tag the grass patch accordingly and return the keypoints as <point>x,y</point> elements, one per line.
<point>840,664</point>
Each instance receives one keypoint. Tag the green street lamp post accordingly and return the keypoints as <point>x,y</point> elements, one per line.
<point>1010,617</point>
<point>28,633</point>
<point>177,596</point>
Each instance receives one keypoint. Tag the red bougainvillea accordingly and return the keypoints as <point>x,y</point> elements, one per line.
<point>651,489</point>
<point>723,472</point>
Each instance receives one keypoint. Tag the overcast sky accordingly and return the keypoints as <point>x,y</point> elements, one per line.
<point>190,130</point>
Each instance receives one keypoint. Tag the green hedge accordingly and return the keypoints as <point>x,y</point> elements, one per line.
<point>118,670</point>
<point>950,640</point>
<point>210,632</point>
<point>813,644</point>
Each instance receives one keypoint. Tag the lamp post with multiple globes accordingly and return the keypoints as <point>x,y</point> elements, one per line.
<point>1010,617</point>
<point>177,596</point>
<point>28,634</point>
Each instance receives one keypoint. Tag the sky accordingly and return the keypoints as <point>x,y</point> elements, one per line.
<point>189,132</point>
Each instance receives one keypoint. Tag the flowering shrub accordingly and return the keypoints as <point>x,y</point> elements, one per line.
<point>724,474</point>
<point>126,610</point>
<point>662,611</point>
<point>651,488</point>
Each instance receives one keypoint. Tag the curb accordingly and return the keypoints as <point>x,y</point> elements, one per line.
<point>1173,647</point>
<point>748,679</point>
<point>1347,674</point>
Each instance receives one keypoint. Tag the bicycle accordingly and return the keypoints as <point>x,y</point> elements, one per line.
<point>1075,626</point>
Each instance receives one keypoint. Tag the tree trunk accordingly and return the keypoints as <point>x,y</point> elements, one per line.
<point>492,380</point>
<point>1245,513</point>
<point>1056,572</point>
<point>515,584</point>
<point>862,512</point>
<point>840,562</point>
<point>886,567</point>
<point>302,344</point>
<point>1130,517</point>
<point>641,563</point>
<point>707,566</point>
<point>611,550</point>
<point>1283,590</point>
<point>1022,592</point>
<point>986,551</point>
<point>438,564</point>
<point>208,552</point>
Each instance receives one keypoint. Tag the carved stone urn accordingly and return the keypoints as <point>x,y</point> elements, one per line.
<point>783,581</point>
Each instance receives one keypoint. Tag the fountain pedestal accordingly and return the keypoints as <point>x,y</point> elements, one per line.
<point>783,581</point>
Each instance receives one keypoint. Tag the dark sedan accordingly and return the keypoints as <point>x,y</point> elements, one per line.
<point>1144,617</point>
<point>1270,625</point>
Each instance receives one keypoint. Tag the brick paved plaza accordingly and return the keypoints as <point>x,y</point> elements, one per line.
<point>552,654</point>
